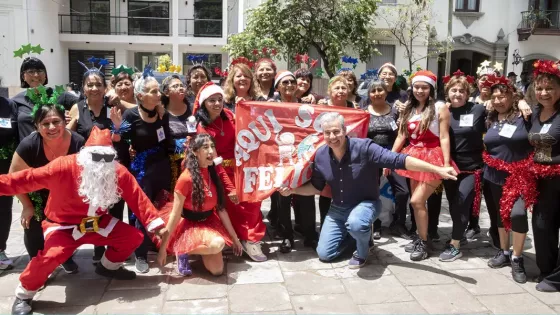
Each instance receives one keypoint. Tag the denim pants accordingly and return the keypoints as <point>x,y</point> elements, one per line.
<point>344,224</point>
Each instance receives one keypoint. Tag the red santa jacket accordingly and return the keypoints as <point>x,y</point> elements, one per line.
<point>64,206</point>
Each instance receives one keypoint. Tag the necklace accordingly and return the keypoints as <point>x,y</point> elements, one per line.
<point>222,128</point>
<point>208,188</point>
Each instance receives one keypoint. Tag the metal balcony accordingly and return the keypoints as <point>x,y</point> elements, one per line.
<point>104,24</point>
<point>538,22</point>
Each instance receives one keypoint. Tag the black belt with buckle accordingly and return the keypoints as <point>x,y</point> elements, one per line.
<point>197,216</point>
<point>88,224</point>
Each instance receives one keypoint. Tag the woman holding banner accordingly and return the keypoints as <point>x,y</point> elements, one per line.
<point>219,122</point>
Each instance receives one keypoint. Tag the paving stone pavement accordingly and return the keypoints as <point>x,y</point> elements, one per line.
<point>296,283</point>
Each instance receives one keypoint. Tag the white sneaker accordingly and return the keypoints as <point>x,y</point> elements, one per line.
<point>253,249</point>
<point>5,262</point>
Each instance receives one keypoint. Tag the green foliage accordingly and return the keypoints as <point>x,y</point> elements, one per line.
<point>332,27</point>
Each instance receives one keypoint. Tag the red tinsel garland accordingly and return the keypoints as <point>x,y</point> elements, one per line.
<point>521,182</point>
<point>477,191</point>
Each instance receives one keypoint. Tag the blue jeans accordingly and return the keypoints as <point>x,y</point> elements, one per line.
<point>341,223</point>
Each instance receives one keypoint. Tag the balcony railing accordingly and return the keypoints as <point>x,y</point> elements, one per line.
<point>104,24</point>
<point>540,21</point>
<point>200,27</point>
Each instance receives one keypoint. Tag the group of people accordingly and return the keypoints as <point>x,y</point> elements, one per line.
<point>167,150</point>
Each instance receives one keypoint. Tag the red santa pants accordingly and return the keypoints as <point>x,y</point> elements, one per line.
<point>60,245</point>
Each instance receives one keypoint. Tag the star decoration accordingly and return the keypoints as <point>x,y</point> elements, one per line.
<point>485,63</point>
<point>19,53</point>
<point>26,48</point>
<point>161,68</point>
<point>498,66</point>
<point>37,49</point>
<point>103,62</point>
<point>172,68</point>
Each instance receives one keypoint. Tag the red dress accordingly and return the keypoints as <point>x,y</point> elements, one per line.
<point>424,146</point>
<point>246,217</point>
<point>188,235</point>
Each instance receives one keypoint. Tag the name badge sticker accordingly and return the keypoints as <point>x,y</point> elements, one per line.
<point>466,120</point>
<point>5,123</point>
<point>508,130</point>
<point>545,128</point>
<point>393,125</point>
<point>160,134</point>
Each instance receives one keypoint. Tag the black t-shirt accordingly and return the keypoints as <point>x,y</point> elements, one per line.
<point>509,149</point>
<point>383,129</point>
<point>544,137</point>
<point>8,124</point>
<point>178,125</point>
<point>25,107</point>
<point>467,127</point>
<point>144,136</point>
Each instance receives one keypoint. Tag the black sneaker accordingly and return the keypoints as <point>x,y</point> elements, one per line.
<point>420,251</point>
<point>409,248</point>
<point>434,237</point>
<point>400,230</point>
<point>98,252</point>
<point>499,260</point>
<point>119,274</point>
<point>21,307</point>
<point>286,246</point>
<point>450,254</point>
<point>312,243</point>
<point>518,270</point>
<point>141,265</point>
<point>472,232</point>
<point>376,235</point>
<point>69,266</point>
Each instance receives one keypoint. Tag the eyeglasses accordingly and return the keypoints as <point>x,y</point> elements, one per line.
<point>387,74</point>
<point>34,72</point>
<point>97,157</point>
<point>288,82</point>
<point>54,123</point>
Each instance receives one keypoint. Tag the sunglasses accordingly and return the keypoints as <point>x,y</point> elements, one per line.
<point>288,82</point>
<point>97,157</point>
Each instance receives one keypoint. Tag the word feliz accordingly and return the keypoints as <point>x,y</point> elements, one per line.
<point>250,139</point>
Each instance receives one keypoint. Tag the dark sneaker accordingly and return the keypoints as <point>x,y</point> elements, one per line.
<point>499,260</point>
<point>420,251</point>
<point>183,266</point>
<point>286,246</point>
<point>69,266</point>
<point>518,270</point>
<point>409,248</point>
<point>434,237</point>
<point>544,286</point>
<point>400,230</point>
<point>141,265</point>
<point>462,242</point>
<point>472,233</point>
<point>376,235</point>
<point>5,262</point>
<point>98,252</point>
<point>119,274</point>
<point>21,307</point>
<point>450,254</point>
<point>356,262</point>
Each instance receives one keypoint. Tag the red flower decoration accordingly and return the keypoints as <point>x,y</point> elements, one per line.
<point>298,58</point>
<point>264,50</point>
<point>546,66</point>
<point>470,79</point>
<point>305,58</point>
<point>446,79</point>
<point>273,52</point>
<point>313,63</point>
<point>255,52</point>
<point>458,73</point>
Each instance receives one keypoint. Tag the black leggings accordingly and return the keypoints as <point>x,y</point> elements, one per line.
<point>460,195</point>
<point>324,206</point>
<point>546,223</point>
<point>305,206</point>
<point>6,203</point>
<point>492,195</point>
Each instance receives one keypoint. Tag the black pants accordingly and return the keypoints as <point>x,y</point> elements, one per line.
<point>546,223</point>
<point>305,205</point>
<point>117,210</point>
<point>272,215</point>
<point>324,206</point>
<point>6,203</point>
<point>492,195</point>
<point>460,195</point>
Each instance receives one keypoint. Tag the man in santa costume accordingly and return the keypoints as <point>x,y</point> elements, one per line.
<point>82,187</point>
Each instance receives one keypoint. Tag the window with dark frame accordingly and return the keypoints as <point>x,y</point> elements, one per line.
<point>90,17</point>
<point>148,18</point>
<point>467,5</point>
<point>214,61</point>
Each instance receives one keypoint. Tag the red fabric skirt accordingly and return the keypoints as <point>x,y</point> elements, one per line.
<point>431,155</point>
<point>189,235</point>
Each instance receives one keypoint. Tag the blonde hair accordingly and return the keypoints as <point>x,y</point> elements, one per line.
<point>229,89</point>
<point>348,74</point>
<point>334,80</point>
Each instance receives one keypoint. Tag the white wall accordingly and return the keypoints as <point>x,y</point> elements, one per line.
<point>14,34</point>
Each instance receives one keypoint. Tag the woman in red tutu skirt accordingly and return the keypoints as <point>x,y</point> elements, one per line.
<point>196,218</point>
<point>426,127</point>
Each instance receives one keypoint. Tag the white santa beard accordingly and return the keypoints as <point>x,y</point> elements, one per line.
<point>98,181</point>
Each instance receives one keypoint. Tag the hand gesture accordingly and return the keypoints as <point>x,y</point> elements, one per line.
<point>113,98</point>
<point>233,197</point>
<point>162,256</point>
<point>323,102</point>
<point>524,109</point>
<point>26,216</point>
<point>162,233</point>
<point>285,191</point>
<point>447,172</point>
<point>309,99</point>
<point>400,106</point>
<point>67,117</point>
<point>237,247</point>
<point>116,117</point>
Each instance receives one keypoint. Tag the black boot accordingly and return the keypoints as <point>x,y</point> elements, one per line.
<point>119,274</point>
<point>21,307</point>
<point>286,246</point>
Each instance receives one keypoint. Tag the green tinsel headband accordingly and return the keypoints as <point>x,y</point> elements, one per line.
<point>40,97</point>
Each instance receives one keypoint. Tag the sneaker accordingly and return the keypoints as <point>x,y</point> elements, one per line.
<point>544,286</point>
<point>183,266</point>
<point>119,274</point>
<point>253,249</point>
<point>434,237</point>
<point>462,242</point>
<point>5,262</point>
<point>376,235</point>
<point>450,254</point>
<point>518,270</point>
<point>141,265</point>
<point>286,246</point>
<point>69,266</point>
<point>409,248</point>
<point>472,232</point>
<point>500,260</point>
<point>400,230</point>
<point>356,262</point>
<point>21,306</point>
<point>98,252</point>
<point>420,251</point>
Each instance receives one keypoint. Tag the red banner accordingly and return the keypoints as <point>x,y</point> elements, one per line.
<point>276,143</point>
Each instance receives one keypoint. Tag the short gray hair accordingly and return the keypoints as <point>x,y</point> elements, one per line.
<point>332,116</point>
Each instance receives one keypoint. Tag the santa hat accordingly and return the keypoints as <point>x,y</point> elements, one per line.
<point>425,76</point>
<point>280,75</point>
<point>205,92</point>
<point>99,138</point>
<point>388,65</point>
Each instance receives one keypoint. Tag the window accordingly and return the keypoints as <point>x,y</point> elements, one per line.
<point>76,71</point>
<point>148,18</point>
<point>208,18</point>
<point>388,2</point>
<point>387,54</point>
<point>467,5</point>
<point>90,17</point>
<point>214,60</point>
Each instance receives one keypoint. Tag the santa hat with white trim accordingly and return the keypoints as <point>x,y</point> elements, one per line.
<point>425,76</point>
<point>204,93</point>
